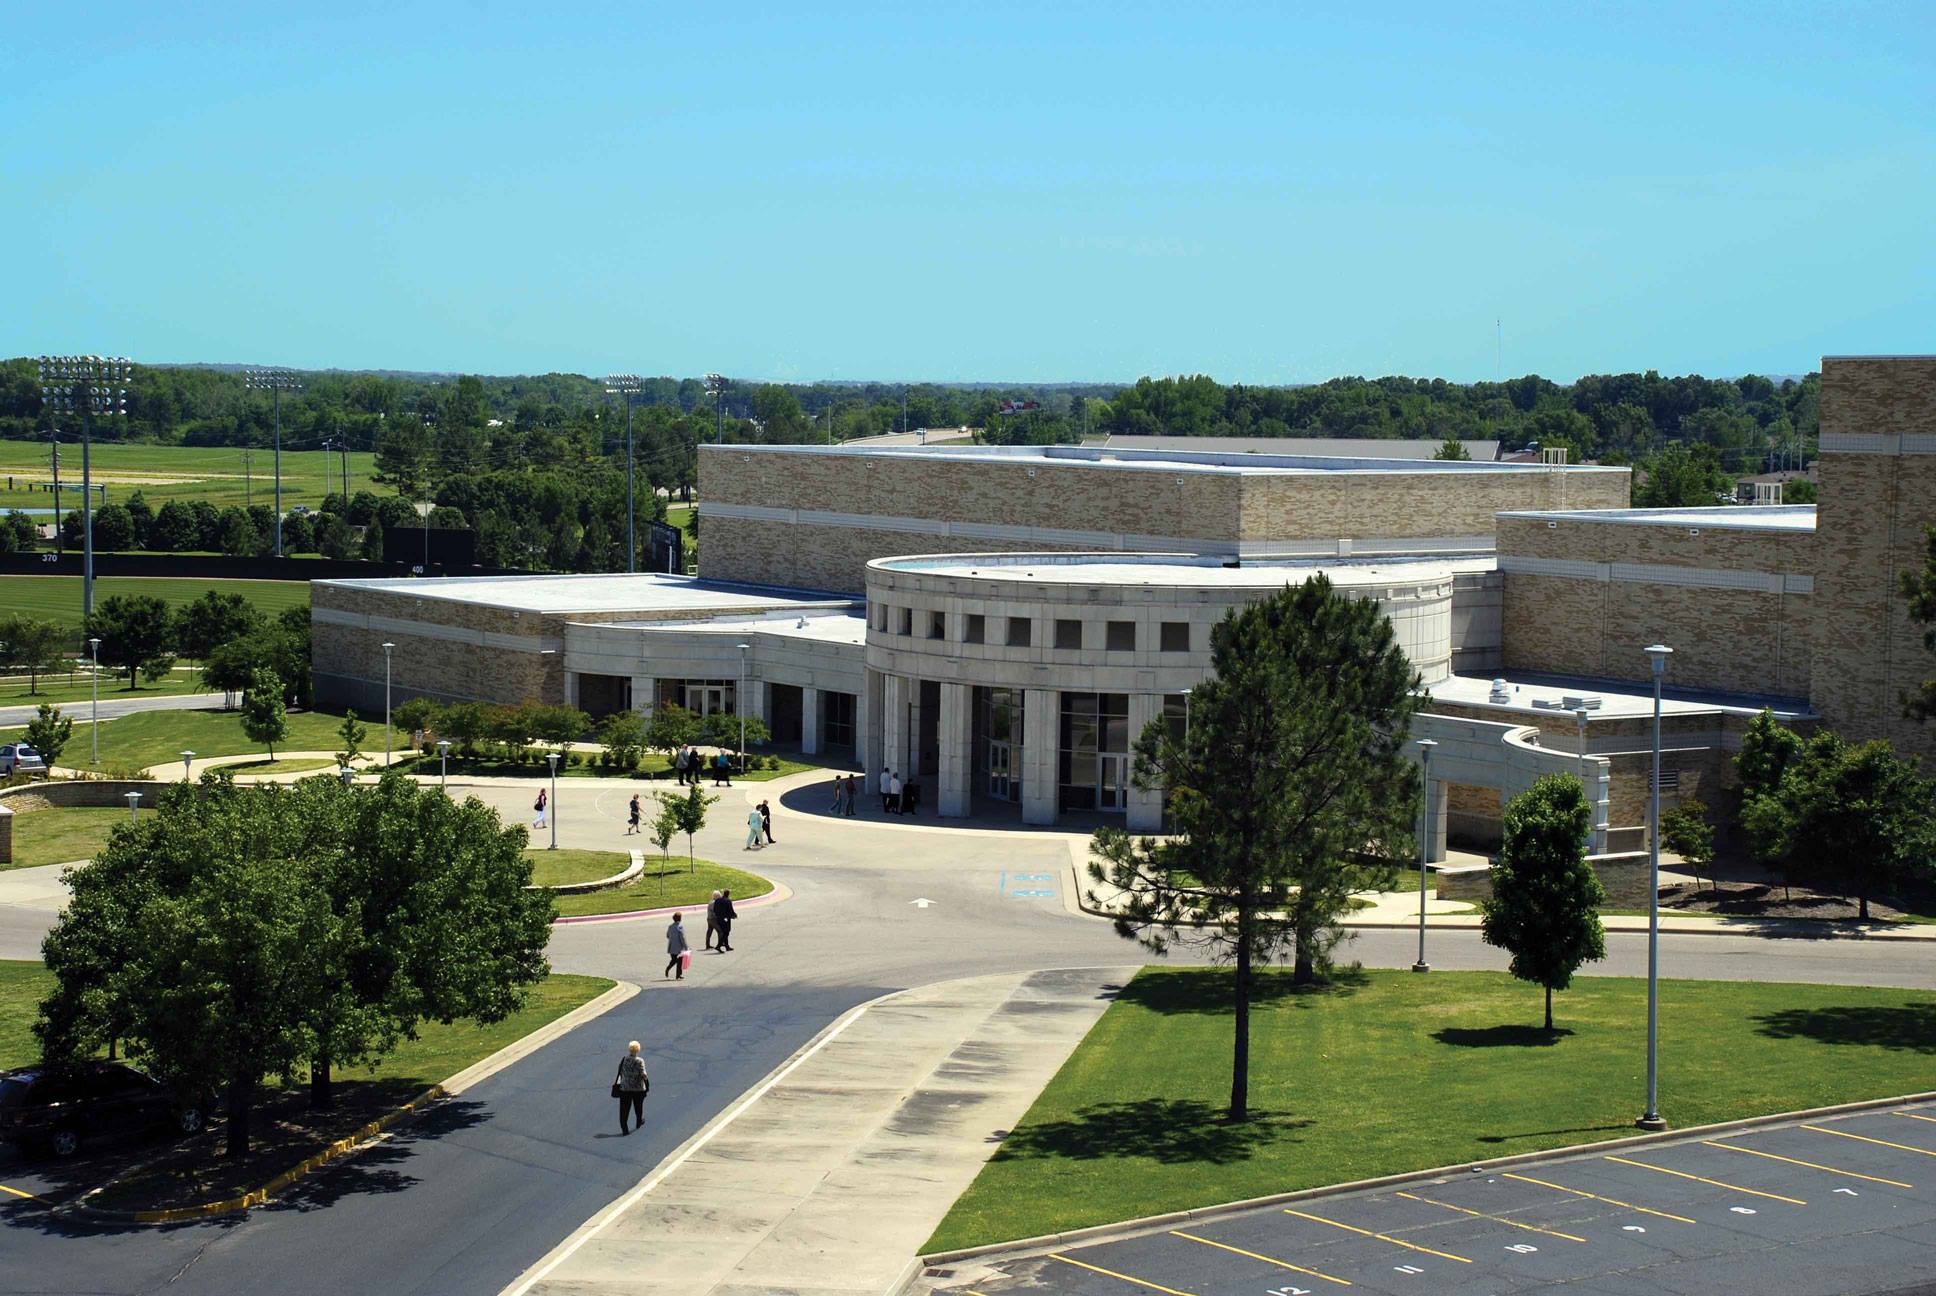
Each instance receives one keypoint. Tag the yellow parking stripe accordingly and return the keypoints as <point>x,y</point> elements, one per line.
<point>1893,1183</point>
<point>1497,1219</point>
<point>1282,1264</point>
<point>1914,1116</point>
<point>1382,1237</point>
<point>1712,1183</point>
<point>1900,1147</point>
<point>1111,1273</point>
<point>27,1196</point>
<point>1581,1192</point>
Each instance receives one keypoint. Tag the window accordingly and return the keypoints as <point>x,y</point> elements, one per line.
<point>880,618</point>
<point>1176,636</point>
<point>837,719</point>
<point>1068,634</point>
<point>1122,636</point>
<point>937,625</point>
<point>975,628</point>
<point>1020,632</point>
<point>907,621</point>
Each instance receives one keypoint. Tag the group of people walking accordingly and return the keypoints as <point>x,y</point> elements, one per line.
<point>720,916</point>
<point>759,824</point>
<point>897,797</point>
<point>689,765</point>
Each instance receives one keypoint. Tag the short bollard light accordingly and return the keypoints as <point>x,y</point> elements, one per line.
<point>186,756</point>
<point>134,799</point>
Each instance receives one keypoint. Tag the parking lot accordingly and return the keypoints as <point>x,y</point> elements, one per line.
<point>1830,1206</point>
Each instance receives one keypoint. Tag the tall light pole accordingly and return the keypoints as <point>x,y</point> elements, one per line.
<point>276,381</point>
<point>424,509</point>
<point>628,386</point>
<point>739,705</point>
<point>1425,746</point>
<point>1651,1119</point>
<point>717,386</point>
<point>94,704</point>
<point>443,764</point>
<point>1579,714</point>
<point>387,648</point>
<point>552,806</point>
<point>93,385</point>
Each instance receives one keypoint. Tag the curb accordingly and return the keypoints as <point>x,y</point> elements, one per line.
<point>1754,929</point>
<point>630,871</point>
<point>456,1084</point>
<point>1158,1223</point>
<point>779,893</point>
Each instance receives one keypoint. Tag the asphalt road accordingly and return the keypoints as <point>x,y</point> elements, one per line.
<point>1827,1208</point>
<point>112,707</point>
<point>465,1199</point>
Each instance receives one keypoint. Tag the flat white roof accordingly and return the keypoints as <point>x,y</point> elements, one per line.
<point>1179,569</point>
<point>1545,695</point>
<point>1104,456</point>
<point>1744,517</point>
<point>605,592</point>
<point>842,628</point>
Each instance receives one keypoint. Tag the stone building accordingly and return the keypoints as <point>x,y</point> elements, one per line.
<point>996,624</point>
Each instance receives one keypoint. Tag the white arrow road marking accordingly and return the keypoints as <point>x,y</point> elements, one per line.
<point>922,903</point>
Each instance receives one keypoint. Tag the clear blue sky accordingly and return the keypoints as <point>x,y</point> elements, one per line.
<point>971,191</point>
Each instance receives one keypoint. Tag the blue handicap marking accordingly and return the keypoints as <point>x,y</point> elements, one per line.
<point>1028,894</point>
<point>1033,877</point>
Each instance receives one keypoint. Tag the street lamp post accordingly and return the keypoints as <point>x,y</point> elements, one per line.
<point>553,806</point>
<point>387,648</point>
<point>94,702</point>
<point>93,385</point>
<point>739,704</point>
<point>1186,716</point>
<point>1592,815</point>
<point>1651,1118</point>
<point>424,509</point>
<point>187,757</point>
<point>133,799</point>
<point>443,763</point>
<point>716,384</point>
<point>275,381</point>
<point>628,386</point>
<point>1425,746</point>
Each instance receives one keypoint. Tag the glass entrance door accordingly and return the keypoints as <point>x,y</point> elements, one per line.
<point>1112,783</point>
<point>1001,770</point>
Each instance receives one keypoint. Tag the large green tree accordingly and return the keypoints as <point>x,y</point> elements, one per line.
<point>1288,792</point>
<point>1919,587</point>
<point>1683,475</point>
<point>264,718</point>
<point>48,732</point>
<point>1544,907</point>
<point>211,621</point>
<point>33,645</point>
<point>135,631</point>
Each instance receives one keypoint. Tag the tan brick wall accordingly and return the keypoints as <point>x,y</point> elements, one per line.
<point>1868,653</point>
<point>1422,504</point>
<point>1730,640</point>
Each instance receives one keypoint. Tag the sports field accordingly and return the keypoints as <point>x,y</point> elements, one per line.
<point>161,473</point>
<point>58,598</point>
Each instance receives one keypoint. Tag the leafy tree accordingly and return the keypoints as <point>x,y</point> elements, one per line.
<point>1545,901</point>
<point>113,528</point>
<point>1452,448</point>
<point>175,529</point>
<point>212,620</point>
<point>688,814</point>
<point>264,719</point>
<point>467,724</point>
<point>623,734</point>
<point>1919,587</point>
<point>141,517</point>
<point>298,534</point>
<point>1799,490</point>
<point>418,713</point>
<point>671,727</point>
<point>560,726</point>
<point>406,458</point>
<point>1683,476</point>
<point>48,732</point>
<point>1289,791</point>
<point>723,729</point>
<point>237,535</point>
<point>334,538</point>
<point>1685,830</point>
<point>33,645</point>
<point>1767,750</point>
<point>665,826</point>
<point>17,533</point>
<point>352,731</point>
<point>373,541</point>
<point>135,631</point>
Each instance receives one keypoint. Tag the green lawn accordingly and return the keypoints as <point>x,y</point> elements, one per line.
<point>71,690</point>
<point>21,987</point>
<point>58,598</point>
<point>672,883</point>
<point>1391,1072</point>
<point>561,867</point>
<point>62,834</point>
<point>151,737</point>
<point>162,473</point>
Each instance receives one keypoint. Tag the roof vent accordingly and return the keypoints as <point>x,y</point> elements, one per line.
<point>1500,692</point>
<point>1580,701</point>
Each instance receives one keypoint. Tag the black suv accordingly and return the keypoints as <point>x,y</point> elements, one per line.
<point>58,1109</point>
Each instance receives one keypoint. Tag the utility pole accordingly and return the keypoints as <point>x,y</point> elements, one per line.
<point>93,385</point>
<point>248,481</point>
<point>627,386</point>
<point>716,384</point>
<point>276,381</point>
<point>53,442</point>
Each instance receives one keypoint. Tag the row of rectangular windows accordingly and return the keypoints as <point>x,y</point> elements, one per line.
<point>1118,636</point>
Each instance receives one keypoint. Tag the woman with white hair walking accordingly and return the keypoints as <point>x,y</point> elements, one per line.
<point>630,1087</point>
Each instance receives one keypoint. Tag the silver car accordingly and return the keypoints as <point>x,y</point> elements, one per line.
<point>19,758</point>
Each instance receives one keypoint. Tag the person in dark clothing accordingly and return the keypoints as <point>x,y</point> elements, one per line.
<point>675,946</point>
<point>766,822</point>
<point>853,793</point>
<point>723,915</point>
<point>631,1085</point>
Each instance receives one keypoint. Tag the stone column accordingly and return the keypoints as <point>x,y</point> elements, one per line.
<point>6,835</point>
<point>1145,808</point>
<point>645,690</point>
<point>1434,834</point>
<point>956,775</point>
<point>809,721</point>
<point>869,738</point>
<point>571,688</point>
<point>894,724</point>
<point>1041,726</point>
<point>913,769</point>
<point>1599,800</point>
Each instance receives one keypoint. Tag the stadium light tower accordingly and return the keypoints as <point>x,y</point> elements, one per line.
<point>716,384</point>
<point>93,385</point>
<point>277,381</point>
<point>628,386</point>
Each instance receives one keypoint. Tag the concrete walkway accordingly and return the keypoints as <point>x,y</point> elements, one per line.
<point>830,1176</point>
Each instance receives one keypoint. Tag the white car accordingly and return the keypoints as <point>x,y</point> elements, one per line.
<point>19,758</point>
